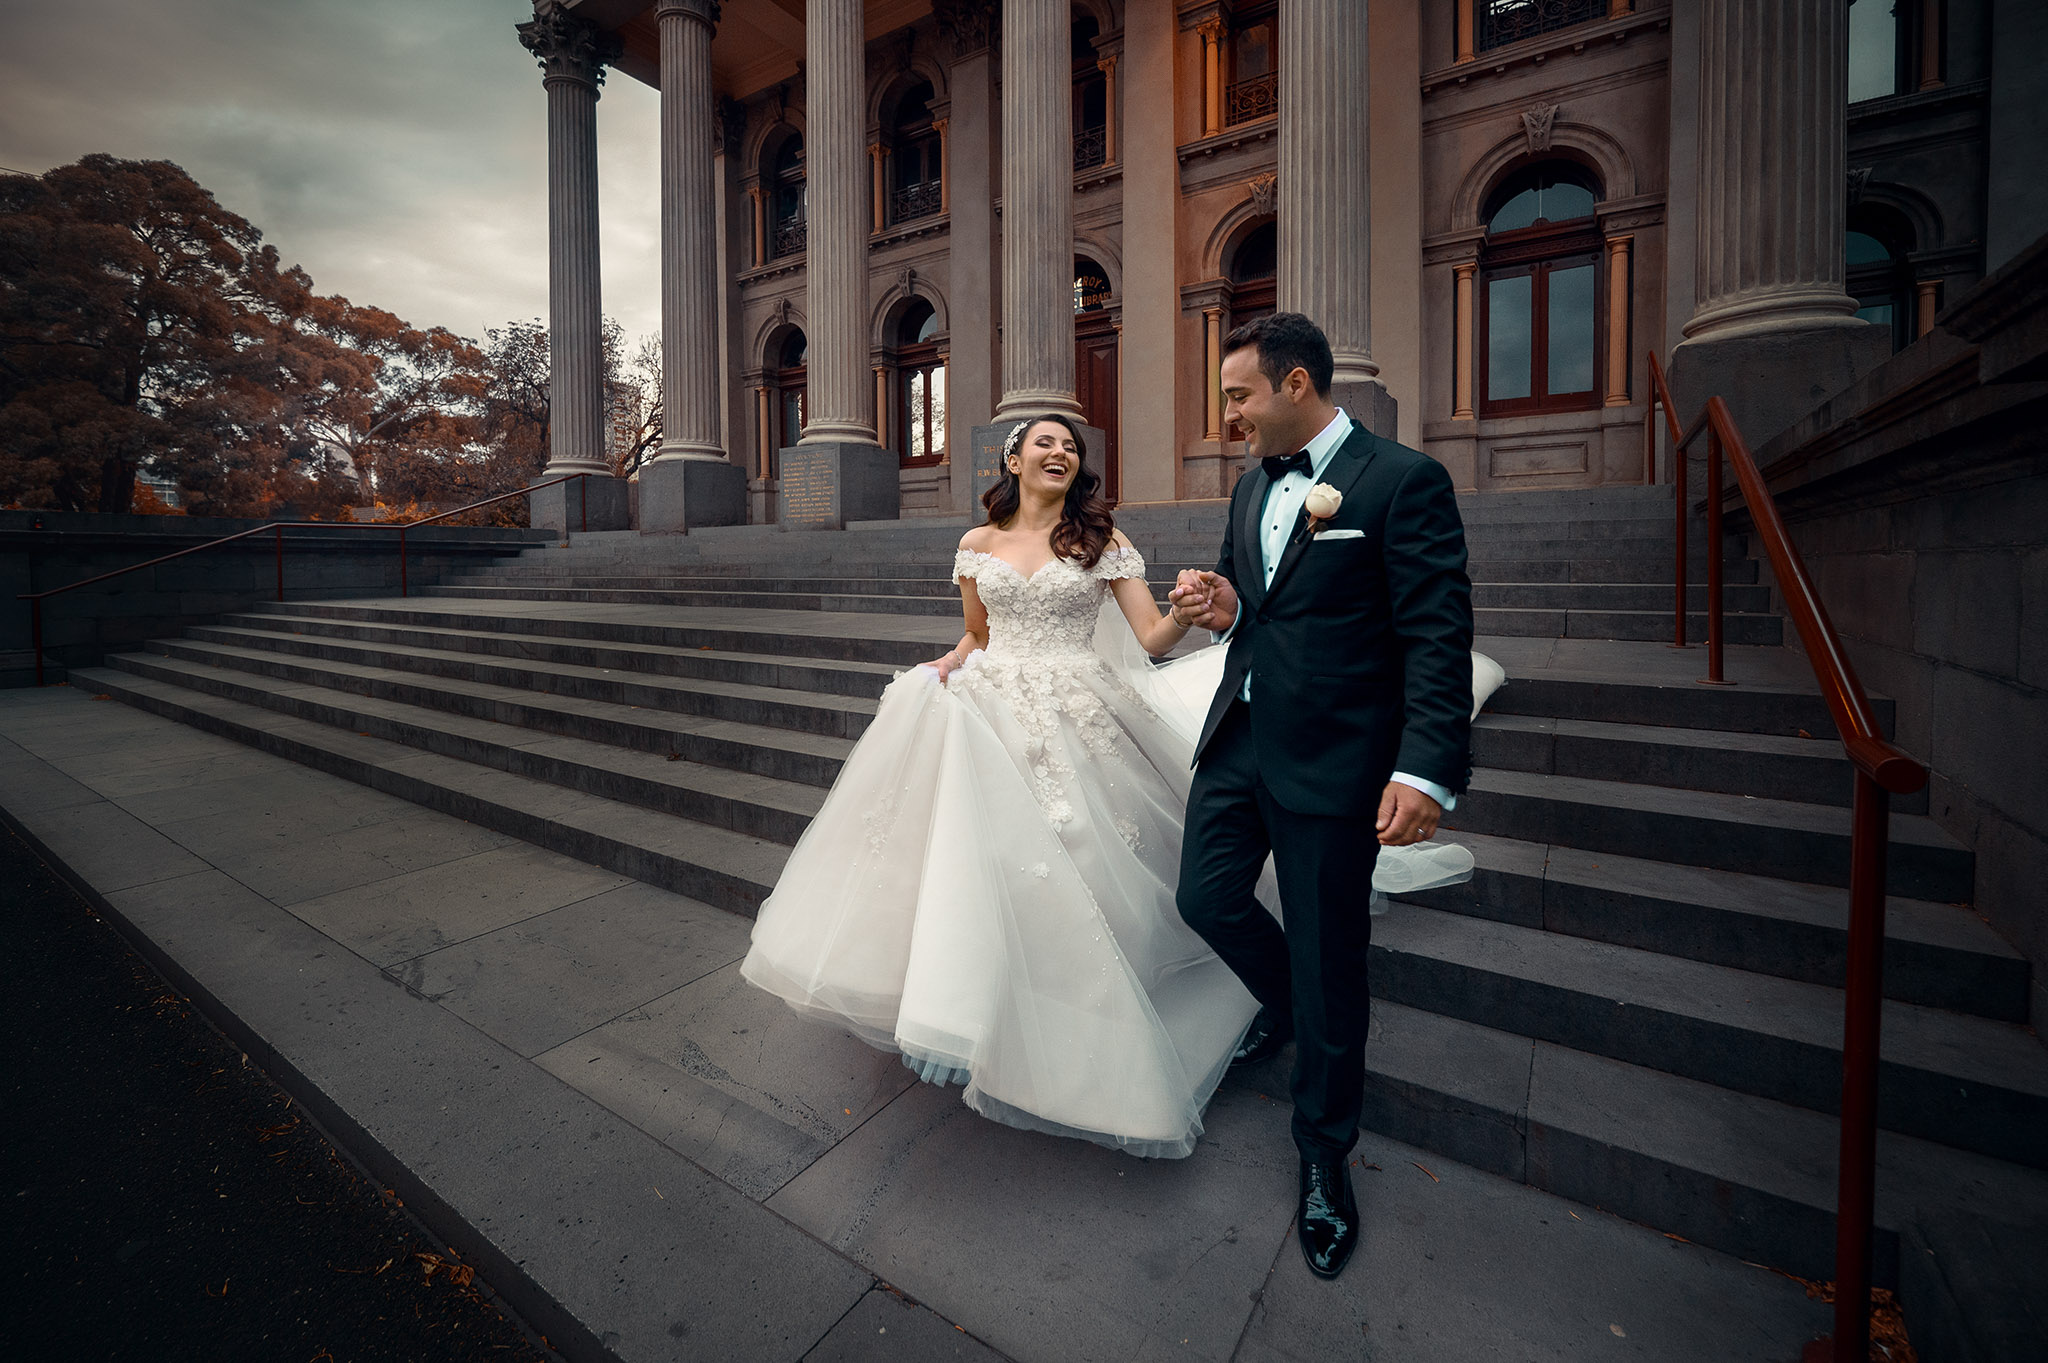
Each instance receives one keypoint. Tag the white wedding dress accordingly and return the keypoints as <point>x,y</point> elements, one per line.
<point>989,886</point>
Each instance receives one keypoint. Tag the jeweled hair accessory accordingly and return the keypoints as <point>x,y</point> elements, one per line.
<point>1015,438</point>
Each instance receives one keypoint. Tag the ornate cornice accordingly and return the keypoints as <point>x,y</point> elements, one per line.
<point>568,47</point>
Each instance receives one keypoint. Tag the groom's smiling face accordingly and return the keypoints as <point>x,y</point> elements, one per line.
<point>1271,418</point>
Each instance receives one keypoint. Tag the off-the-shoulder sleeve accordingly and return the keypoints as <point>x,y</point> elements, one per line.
<point>966,563</point>
<point>1118,561</point>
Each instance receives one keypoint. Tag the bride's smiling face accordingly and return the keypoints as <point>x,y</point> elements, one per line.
<point>1047,461</point>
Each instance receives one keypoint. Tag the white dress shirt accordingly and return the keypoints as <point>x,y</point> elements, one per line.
<point>1284,500</point>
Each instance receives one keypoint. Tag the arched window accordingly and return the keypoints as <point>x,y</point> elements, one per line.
<point>920,386</point>
<point>1540,323</point>
<point>1251,269</point>
<point>786,377</point>
<point>1878,275</point>
<point>786,225</point>
<point>1253,91</point>
<point>1091,97</point>
<point>914,153</point>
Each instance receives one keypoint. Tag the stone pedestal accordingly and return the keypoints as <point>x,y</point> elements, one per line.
<point>988,457</point>
<point>599,502</point>
<point>1771,379</point>
<point>680,494</point>
<point>826,483</point>
<point>1368,402</point>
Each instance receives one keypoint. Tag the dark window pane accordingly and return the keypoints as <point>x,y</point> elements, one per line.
<point>1571,330</point>
<point>1880,313</point>
<point>1554,194</point>
<point>1865,249</point>
<point>1873,50</point>
<point>919,414</point>
<point>1254,51</point>
<point>1508,337</point>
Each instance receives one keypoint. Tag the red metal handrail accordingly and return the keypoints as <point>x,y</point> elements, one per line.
<point>1881,770</point>
<point>277,529</point>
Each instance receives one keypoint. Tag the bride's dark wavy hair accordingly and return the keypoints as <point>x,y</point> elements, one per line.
<point>1085,523</point>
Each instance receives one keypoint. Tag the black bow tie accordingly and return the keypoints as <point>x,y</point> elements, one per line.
<point>1278,466</point>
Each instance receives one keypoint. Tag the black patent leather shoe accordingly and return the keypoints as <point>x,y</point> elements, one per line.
<point>1264,1038</point>
<point>1328,1222</point>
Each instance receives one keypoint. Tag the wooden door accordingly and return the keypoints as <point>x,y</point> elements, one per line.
<point>1095,387</point>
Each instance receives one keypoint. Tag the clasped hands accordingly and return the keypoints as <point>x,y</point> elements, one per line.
<point>1207,600</point>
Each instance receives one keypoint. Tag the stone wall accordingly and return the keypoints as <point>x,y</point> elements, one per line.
<point>40,550</point>
<point>1919,499</point>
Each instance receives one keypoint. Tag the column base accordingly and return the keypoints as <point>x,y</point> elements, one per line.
<point>825,484</point>
<point>1771,379</point>
<point>988,456</point>
<point>599,502</point>
<point>684,494</point>
<point>1370,404</point>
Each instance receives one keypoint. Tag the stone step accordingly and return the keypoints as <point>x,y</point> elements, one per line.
<point>1753,708</point>
<point>1640,570</point>
<point>1615,596</point>
<point>1812,770</point>
<point>370,670</point>
<point>1641,625</point>
<point>807,759</point>
<point>1744,1175</point>
<point>872,604</point>
<point>831,676</point>
<point>1938,955</point>
<point>719,866</point>
<point>1783,839</point>
<point>896,640</point>
<point>1963,1081</point>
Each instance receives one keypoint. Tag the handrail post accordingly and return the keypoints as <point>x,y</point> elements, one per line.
<point>278,533</point>
<point>1678,463</point>
<point>35,633</point>
<point>1855,1199</point>
<point>1714,552</point>
<point>403,585</point>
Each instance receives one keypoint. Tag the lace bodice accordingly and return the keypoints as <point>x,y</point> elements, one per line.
<point>1050,613</point>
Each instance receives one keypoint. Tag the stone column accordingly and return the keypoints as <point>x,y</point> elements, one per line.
<point>1325,202</point>
<point>1773,330</point>
<point>836,472</point>
<point>939,126</point>
<point>689,482</point>
<point>1465,30</point>
<point>1212,76</point>
<point>573,53</point>
<point>970,29</point>
<point>1461,357</point>
<point>1926,297</point>
<point>1152,384</point>
<point>1617,319</point>
<point>1038,218</point>
<point>1107,66</point>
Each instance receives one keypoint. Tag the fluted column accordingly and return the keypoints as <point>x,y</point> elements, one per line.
<point>1038,210</point>
<point>689,234</point>
<point>836,255</point>
<point>1773,162</point>
<point>573,53</point>
<point>1325,265</point>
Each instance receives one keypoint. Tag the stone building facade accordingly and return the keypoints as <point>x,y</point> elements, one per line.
<point>888,224</point>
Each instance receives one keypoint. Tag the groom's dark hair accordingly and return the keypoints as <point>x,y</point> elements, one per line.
<point>1286,341</point>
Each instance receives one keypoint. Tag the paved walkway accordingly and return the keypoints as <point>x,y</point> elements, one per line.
<point>561,1071</point>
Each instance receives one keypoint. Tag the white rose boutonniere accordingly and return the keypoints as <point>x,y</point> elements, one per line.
<point>1323,501</point>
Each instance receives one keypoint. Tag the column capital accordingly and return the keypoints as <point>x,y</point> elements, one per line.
<point>568,48</point>
<point>705,11</point>
<point>1211,28</point>
<point>939,125</point>
<point>970,25</point>
<point>1465,269</point>
<point>1106,64</point>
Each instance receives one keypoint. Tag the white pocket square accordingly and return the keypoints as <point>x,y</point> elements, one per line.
<point>1341,535</point>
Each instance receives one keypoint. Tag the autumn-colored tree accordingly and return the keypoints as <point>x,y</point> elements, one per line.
<point>132,308</point>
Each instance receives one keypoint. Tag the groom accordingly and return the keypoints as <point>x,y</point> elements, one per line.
<point>1342,724</point>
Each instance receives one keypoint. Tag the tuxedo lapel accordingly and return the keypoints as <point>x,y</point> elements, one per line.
<point>1343,473</point>
<point>1251,564</point>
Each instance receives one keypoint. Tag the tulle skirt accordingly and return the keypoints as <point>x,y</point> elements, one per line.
<point>989,889</point>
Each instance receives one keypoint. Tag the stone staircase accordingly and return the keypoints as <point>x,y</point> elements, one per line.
<point>1634,1003</point>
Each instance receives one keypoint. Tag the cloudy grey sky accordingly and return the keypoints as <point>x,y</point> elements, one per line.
<point>397,149</point>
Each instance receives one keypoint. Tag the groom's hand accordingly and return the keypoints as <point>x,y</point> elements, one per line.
<point>1406,816</point>
<point>1219,598</point>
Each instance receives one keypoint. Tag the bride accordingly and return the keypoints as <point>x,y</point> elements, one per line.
<point>989,886</point>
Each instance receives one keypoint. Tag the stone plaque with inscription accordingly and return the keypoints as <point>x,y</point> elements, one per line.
<point>826,484</point>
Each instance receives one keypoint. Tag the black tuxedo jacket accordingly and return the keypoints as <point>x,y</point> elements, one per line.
<point>1360,652</point>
